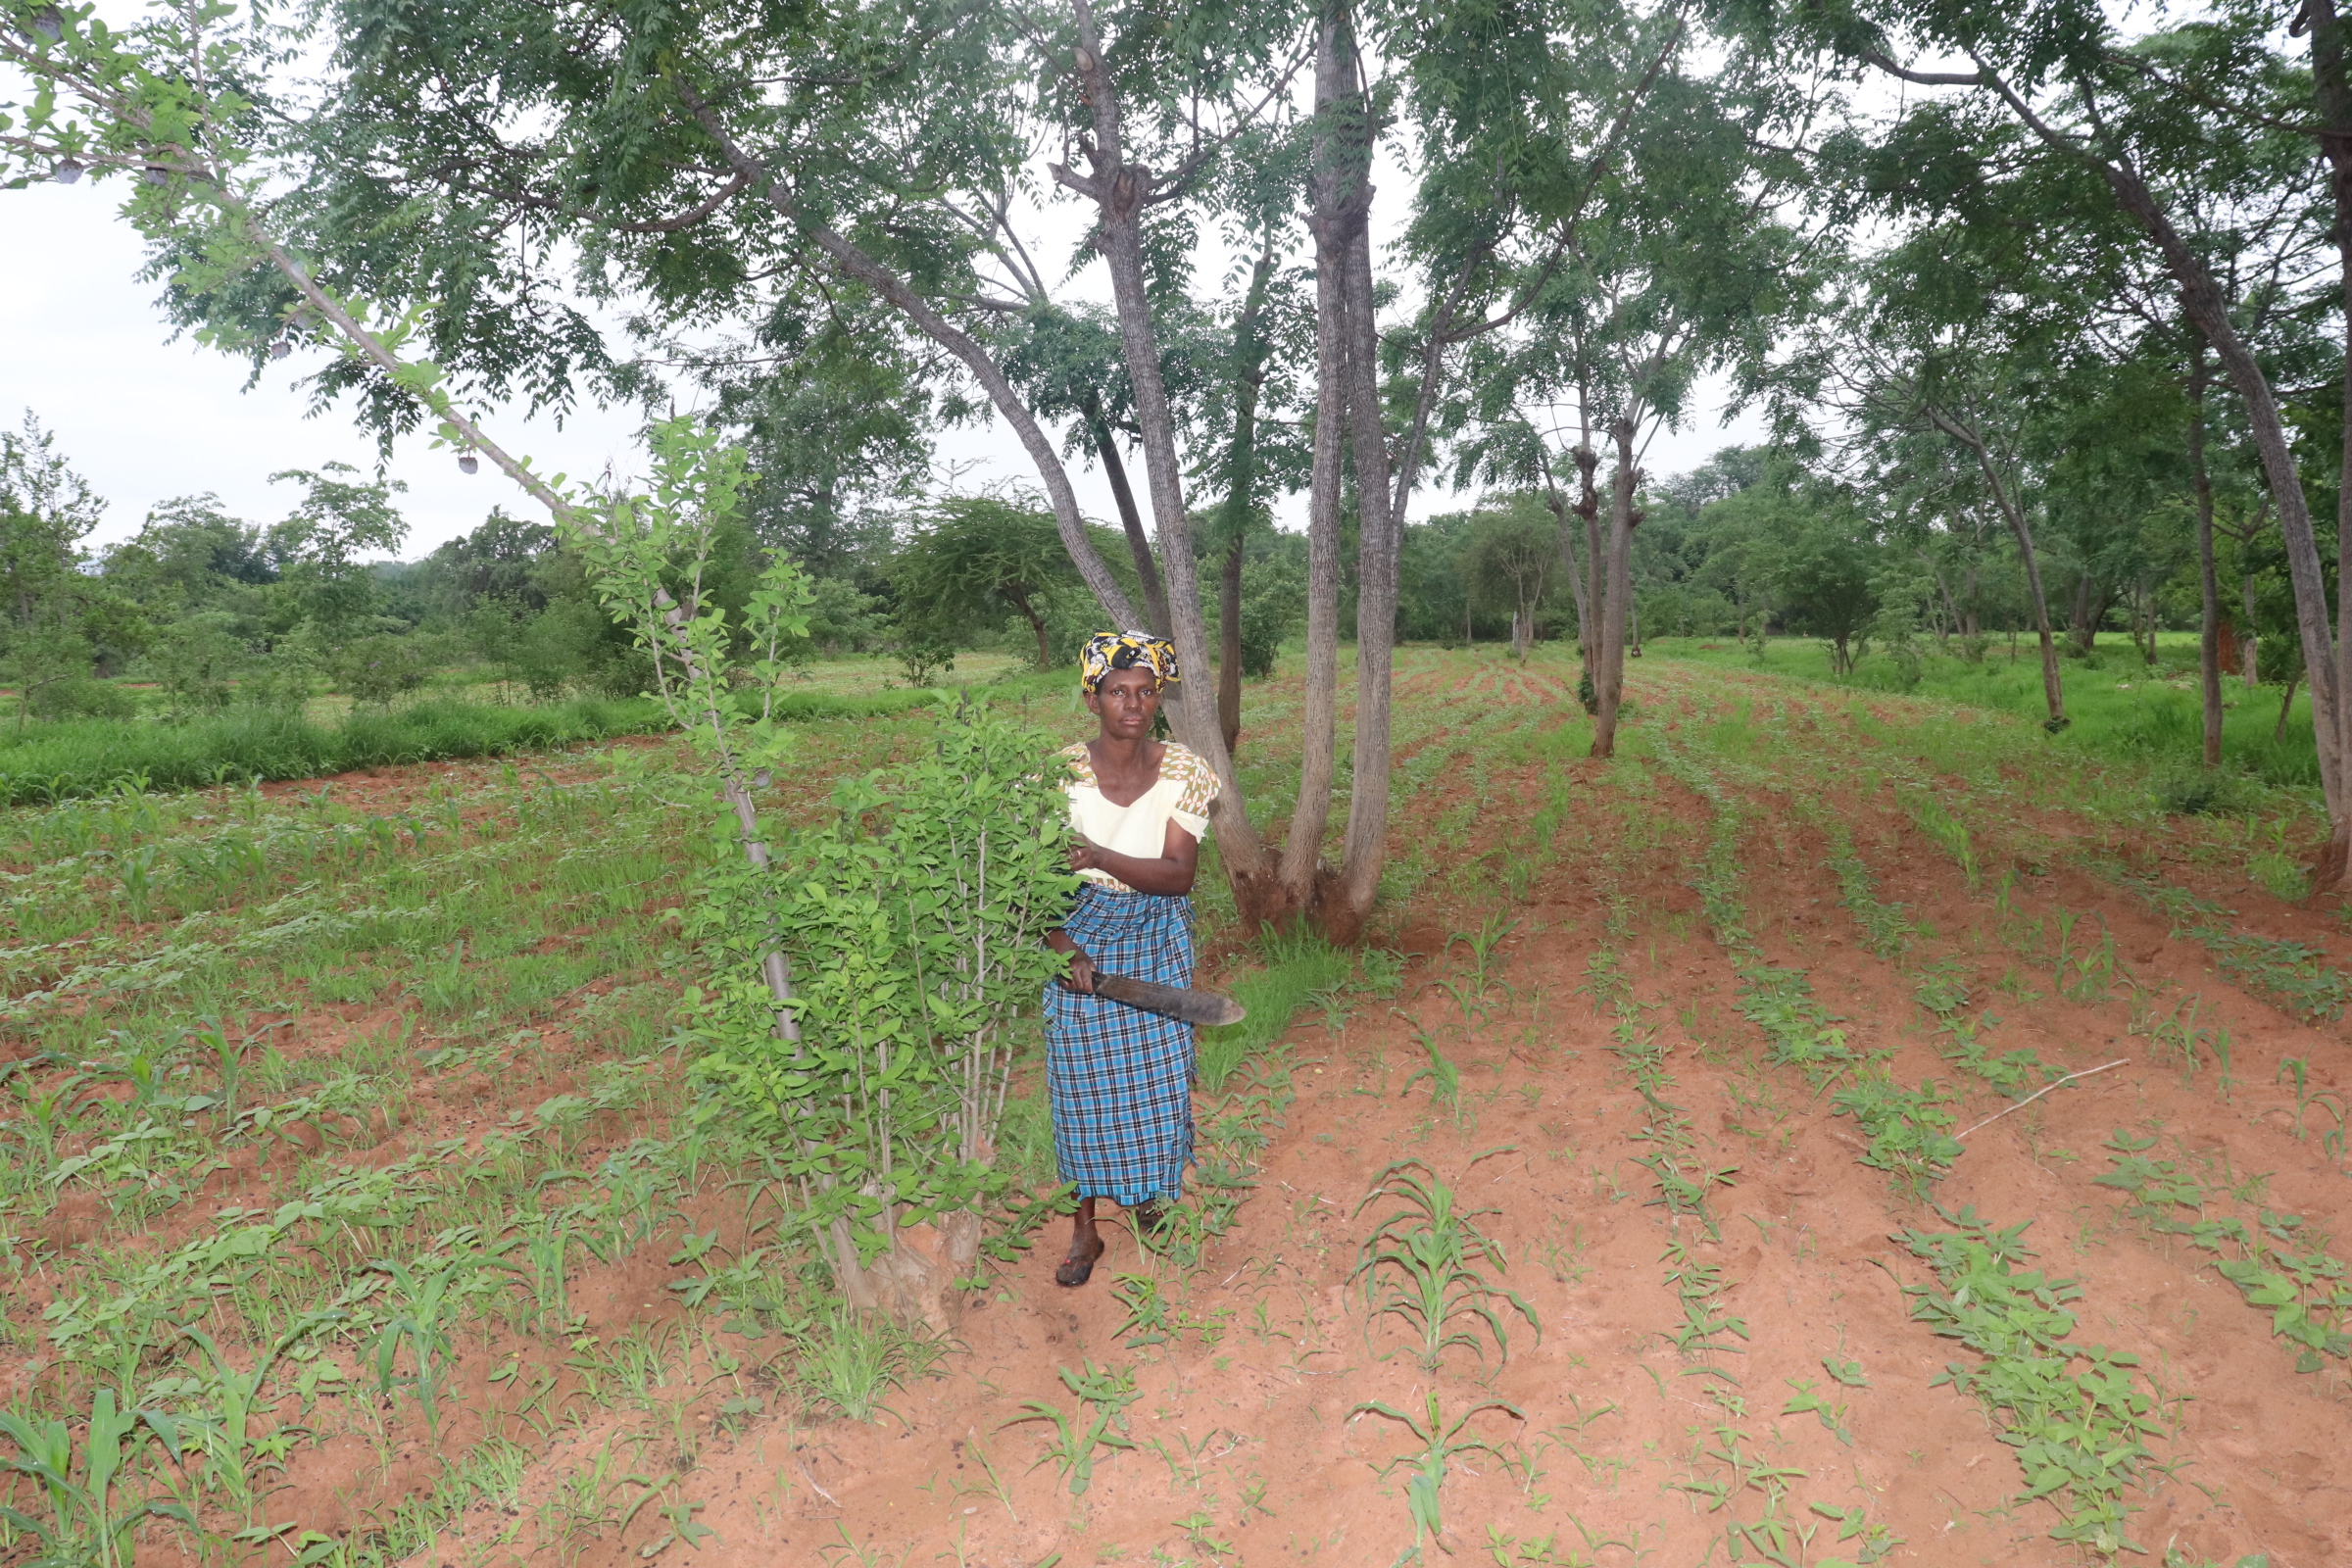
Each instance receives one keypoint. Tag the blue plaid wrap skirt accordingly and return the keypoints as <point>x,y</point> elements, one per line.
<point>1119,1079</point>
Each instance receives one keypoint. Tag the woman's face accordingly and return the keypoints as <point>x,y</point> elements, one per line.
<point>1125,702</point>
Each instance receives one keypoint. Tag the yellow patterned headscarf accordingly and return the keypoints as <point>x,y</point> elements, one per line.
<point>1107,651</point>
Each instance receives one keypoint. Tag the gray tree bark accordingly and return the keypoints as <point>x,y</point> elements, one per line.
<point>1609,679</point>
<point>1131,520</point>
<point>1337,197</point>
<point>1119,189</point>
<point>2209,640</point>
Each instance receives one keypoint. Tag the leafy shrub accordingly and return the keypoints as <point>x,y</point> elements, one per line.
<point>1273,606</point>
<point>82,696</point>
<point>923,657</point>
<point>375,669</point>
<point>914,925</point>
<point>196,659</point>
<point>2201,792</point>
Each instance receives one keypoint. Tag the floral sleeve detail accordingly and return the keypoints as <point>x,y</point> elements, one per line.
<point>1081,764</point>
<point>1199,788</point>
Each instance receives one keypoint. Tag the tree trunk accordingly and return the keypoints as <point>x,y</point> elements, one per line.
<point>1380,535</point>
<point>1609,679</point>
<point>2249,648</point>
<point>1249,351</point>
<point>2053,690</point>
<point>1131,521</point>
<point>1229,645</point>
<point>2278,730</point>
<point>1561,512</point>
<point>2333,684</point>
<point>1335,195</point>
<point>1118,189</point>
<point>1037,624</point>
<point>2208,307</point>
<point>1588,505</point>
<point>2200,478</point>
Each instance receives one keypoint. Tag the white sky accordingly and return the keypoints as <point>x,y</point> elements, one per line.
<point>142,418</point>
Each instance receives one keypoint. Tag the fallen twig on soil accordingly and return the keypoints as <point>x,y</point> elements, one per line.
<point>2045,1089</point>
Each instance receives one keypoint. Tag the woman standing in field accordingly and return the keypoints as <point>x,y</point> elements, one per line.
<point>1119,1079</point>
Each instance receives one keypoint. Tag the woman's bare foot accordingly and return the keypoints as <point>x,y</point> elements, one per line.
<point>1149,1215</point>
<point>1086,1245</point>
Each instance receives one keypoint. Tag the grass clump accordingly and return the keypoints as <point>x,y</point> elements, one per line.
<point>850,1360</point>
<point>1301,970</point>
<point>2201,792</point>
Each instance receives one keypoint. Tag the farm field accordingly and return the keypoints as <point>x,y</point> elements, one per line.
<point>1636,1198</point>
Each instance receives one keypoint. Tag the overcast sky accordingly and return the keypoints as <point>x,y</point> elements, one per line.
<point>143,419</point>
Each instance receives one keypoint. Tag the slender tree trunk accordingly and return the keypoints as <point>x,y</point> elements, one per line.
<point>1118,189</point>
<point>2248,645</point>
<point>1609,680</point>
<point>1037,624</point>
<point>2334,96</point>
<point>1336,194</point>
<point>1561,512</point>
<point>2053,690</point>
<point>1229,645</point>
<point>1588,465</point>
<point>2285,703</point>
<point>1592,600</point>
<point>1131,520</point>
<point>2200,478</point>
<point>1250,350</point>
<point>1380,535</point>
<point>2205,303</point>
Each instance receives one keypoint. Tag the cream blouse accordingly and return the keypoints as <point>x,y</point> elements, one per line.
<point>1181,795</point>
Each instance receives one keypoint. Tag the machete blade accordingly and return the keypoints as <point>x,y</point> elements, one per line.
<point>1207,1007</point>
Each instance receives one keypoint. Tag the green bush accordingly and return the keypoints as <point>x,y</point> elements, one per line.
<point>373,670</point>
<point>83,698</point>
<point>2201,792</point>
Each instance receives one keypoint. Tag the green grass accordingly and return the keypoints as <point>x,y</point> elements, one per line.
<point>74,758</point>
<point>1299,970</point>
<point>2118,705</point>
<point>71,757</point>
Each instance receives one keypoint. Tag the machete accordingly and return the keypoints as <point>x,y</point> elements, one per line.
<point>1210,1008</point>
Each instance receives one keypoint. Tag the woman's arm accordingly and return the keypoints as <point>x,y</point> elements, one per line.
<point>1171,874</point>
